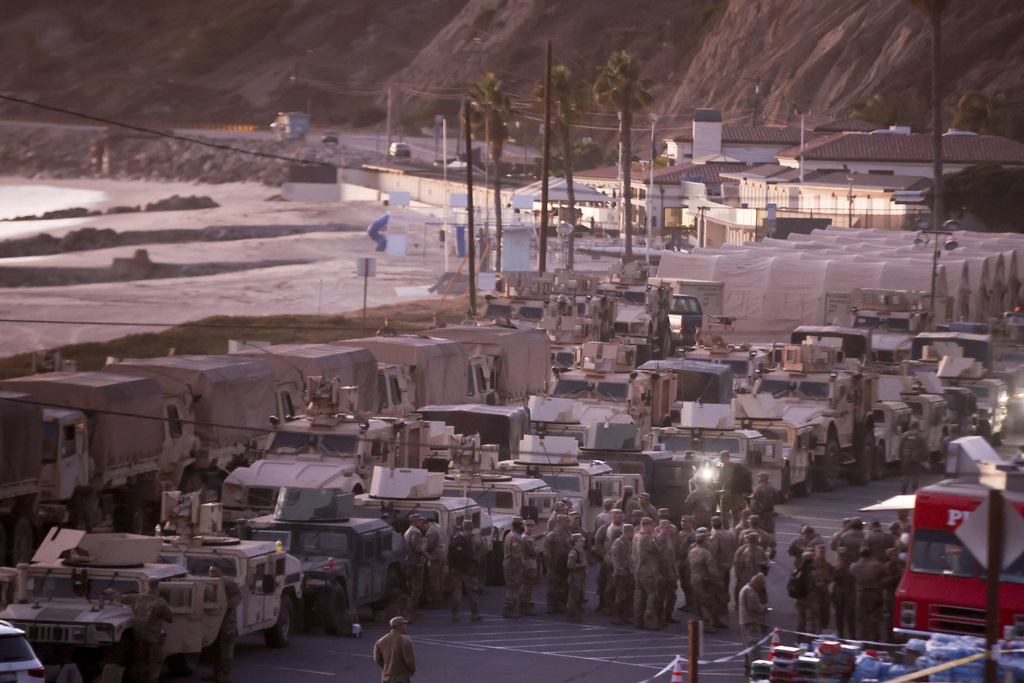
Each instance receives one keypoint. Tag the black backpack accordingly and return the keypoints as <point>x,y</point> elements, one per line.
<point>561,567</point>
<point>799,584</point>
<point>460,553</point>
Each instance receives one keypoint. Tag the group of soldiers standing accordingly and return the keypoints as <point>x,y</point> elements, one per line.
<point>859,588</point>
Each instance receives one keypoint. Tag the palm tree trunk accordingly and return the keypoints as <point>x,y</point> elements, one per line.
<point>497,209</point>
<point>938,207</point>
<point>626,163</point>
<point>570,191</point>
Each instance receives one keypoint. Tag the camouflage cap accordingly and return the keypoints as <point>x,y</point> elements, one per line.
<point>752,536</point>
<point>574,513</point>
<point>762,475</point>
<point>665,524</point>
<point>687,518</point>
<point>415,517</point>
<point>627,527</point>
<point>875,524</point>
<point>702,530</point>
<point>724,454</point>
<point>561,518</point>
<point>528,522</point>
<point>647,521</point>
<point>578,537</point>
<point>857,521</point>
<point>616,512</point>
<point>398,621</point>
<point>662,511</point>
<point>467,524</point>
<point>627,489</point>
<point>846,521</point>
<point>702,536</point>
<point>644,494</point>
<point>808,554</point>
<point>895,526</point>
<point>516,520</point>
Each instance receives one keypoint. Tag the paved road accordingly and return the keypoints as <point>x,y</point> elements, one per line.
<point>549,648</point>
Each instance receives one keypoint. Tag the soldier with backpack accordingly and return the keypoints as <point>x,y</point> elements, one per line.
<point>464,552</point>
<point>556,551</point>
<point>799,588</point>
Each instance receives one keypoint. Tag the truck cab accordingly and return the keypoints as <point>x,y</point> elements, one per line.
<point>892,420</point>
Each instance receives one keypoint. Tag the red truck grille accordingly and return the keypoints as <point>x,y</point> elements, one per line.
<point>950,619</point>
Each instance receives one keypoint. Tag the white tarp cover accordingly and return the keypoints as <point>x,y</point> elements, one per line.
<point>125,413</point>
<point>21,438</point>
<point>353,366</point>
<point>966,453</point>
<point>234,395</point>
<point>523,356</point>
<point>558,192</point>
<point>438,366</point>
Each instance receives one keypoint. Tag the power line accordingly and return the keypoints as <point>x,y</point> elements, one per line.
<point>214,326</point>
<point>163,133</point>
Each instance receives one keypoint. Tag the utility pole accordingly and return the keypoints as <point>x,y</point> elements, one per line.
<point>387,150</point>
<point>650,192</point>
<point>803,129</point>
<point>542,257</point>
<point>994,569</point>
<point>469,209</point>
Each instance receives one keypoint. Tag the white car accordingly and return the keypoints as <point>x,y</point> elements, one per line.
<point>400,149</point>
<point>18,662</point>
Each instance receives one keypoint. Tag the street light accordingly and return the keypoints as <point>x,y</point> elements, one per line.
<point>949,245</point>
<point>849,199</point>
<point>650,191</point>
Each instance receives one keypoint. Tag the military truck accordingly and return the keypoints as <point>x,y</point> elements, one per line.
<point>87,449</point>
<point>641,318</point>
<point>269,578</point>
<point>818,387</point>
<point>332,443</point>
<point>555,460</point>
<point>293,363</point>
<point>228,397</point>
<point>61,604</point>
<point>892,420</point>
<point>499,426</point>
<point>520,357</point>
<point>348,563</point>
<point>693,301</point>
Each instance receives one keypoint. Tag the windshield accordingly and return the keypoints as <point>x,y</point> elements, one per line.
<point>740,368</point>
<point>614,391</point>
<point>865,322</point>
<point>498,311</point>
<point>563,482</point>
<point>15,648</point>
<point>676,443</point>
<point>980,391</point>
<point>285,538</point>
<point>780,387</point>
<point>569,388</point>
<point>714,444</point>
<point>61,586</point>
<point>306,442</point>
<point>685,305</point>
<point>331,543</point>
<point>531,313</point>
<point>941,552</point>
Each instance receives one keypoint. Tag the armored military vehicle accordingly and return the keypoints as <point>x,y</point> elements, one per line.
<point>348,563</point>
<point>270,579</point>
<point>61,604</point>
<point>818,387</point>
<point>642,317</point>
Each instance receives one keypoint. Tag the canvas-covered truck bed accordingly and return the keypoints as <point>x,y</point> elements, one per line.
<point>233,395</point>
<point>125,413</point>
<point>523,357</point>
<point>21,438</point>
<point>438,367</point>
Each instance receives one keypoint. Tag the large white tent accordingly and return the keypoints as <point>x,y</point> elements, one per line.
<point>773,286</point>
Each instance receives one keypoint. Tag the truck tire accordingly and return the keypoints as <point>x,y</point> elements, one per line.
<point>278,635</point>
<point>182,664</point>
<point>786,485</point>
<point>332,610</point>
<point>805,487</point>
<point>985,430</point>
<point>827,472</point>
<point>22,542</point>
<point>879,461</point>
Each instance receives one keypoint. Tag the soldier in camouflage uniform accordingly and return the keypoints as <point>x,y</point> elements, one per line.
<point>878,542</point>
<point>555,544</point>
<point>767,539</point>
<point>463,575</point>
<point>531,569</point>
<point>704,578</point>
<point>224,647</point>
<point>701,504</point>
<point>749,560</point>
<point>628,502</point>
<point>623,573</point>
<point>605,515</point>
<point>892,572</point>
<point>852,539</point>
<point>762,502</point>
<point>415,563</point>
<point>605,538</point>
<point>843,596</point>
<point>683,544</point>
<point>645,506</point>
<point>822,575</point>
<point>436,546</point>
<point>740,529</point>
<point>913,453</point>
<point>577,565</point>
<point>867,581</point>
<point>668,573</point>
<point>513,565</point>
<point>646,555</point>
<point>723,547</point>
<point>150,612</point>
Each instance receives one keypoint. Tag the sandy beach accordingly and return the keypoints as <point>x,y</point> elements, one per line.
<point>324,282</point>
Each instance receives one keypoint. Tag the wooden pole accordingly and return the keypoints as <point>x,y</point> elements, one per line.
<point>694,625</point>
<point>542,257</point>
<point>471,251</point>
<point>994,568</point>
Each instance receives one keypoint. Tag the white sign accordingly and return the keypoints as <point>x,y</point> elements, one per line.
<point>973,532</point>
<point>366,266</point>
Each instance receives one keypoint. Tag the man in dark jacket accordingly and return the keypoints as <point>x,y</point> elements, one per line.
<point>393,653</point>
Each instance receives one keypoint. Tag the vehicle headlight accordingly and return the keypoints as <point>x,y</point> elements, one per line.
<point>233,493</point>
<point>908,614</point>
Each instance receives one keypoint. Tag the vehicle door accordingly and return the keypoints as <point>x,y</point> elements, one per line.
<point>539,503</point>
<point>69,442</point>
<point>198,608</point>
<point>385,538</point>
<point>364,569</point>
<point>259,593</point>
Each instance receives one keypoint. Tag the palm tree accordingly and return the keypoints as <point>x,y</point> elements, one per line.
<point>570,102</point>
<point>932,10</point>
<point>493,110</point>
<point>620,88</point>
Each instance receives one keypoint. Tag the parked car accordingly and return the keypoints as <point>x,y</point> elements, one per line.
<point>18,662</point>
<point>329,138</point>
<point>400,149</point>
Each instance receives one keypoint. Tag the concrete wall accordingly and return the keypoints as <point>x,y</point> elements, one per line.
<point>310,192</point>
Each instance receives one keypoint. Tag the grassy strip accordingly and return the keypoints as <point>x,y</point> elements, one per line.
<point>211,335</point>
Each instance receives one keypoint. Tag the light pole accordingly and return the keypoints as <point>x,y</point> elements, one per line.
<point>849,199</point>
<point>650,192</point>
<point>949,245</point>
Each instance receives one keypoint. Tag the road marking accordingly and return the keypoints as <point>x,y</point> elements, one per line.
<point>304,671</point>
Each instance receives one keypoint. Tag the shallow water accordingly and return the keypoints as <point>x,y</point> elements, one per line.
<point>25,200</point>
